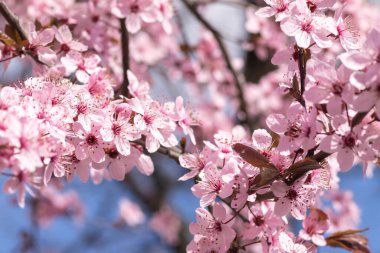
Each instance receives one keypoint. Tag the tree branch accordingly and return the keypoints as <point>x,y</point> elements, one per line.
<point>125,55</point>
<point>12,20</point>
<point>173,152</point>
<point>243,105</point>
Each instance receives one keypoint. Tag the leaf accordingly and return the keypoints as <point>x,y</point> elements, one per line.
<point>266,176</point>
<point>349,240</point>
<point>252,156</point>
<point>300,168</point>
<point>8,41</point>
<point>268,172</point>
<point>322,216</point>
<point>15,36</point>
<point>275,139</point>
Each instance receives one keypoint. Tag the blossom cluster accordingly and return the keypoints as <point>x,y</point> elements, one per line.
<point>317,114</point>
<point>53,127</point>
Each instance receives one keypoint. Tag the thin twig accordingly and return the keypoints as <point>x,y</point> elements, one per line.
<point>243,105</point>
<point>302,68</point>
<point>125,55</point>
<point>173,152</point>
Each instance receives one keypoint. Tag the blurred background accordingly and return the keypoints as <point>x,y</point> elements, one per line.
<point>97,228</point>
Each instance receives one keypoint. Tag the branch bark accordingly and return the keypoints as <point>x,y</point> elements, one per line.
<point>125,56</point>
<point>12,20</point>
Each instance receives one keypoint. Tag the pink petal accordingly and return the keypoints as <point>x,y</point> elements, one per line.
<point>277,123</point>
<point>282,207</point>
<point>279,189</point>
<point>266,12</point>
<point>345,159</point>
<point>145,165</point>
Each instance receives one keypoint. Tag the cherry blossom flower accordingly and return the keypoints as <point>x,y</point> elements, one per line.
<point>279,8</point>
<point>288,244</point>
<point>211,186</point>
<point>83,66</point>
<point>130,213</point>
<point>90,142</point>
<point>346,31</point>
<point>38,41</point>
<point>307,26</point>
<point>135,11</point>
<point>150,121</point>
<point>314,226</point>
<point>295,199</point>
<point>263,220</point>
<point>120,132</point>
<point>330,85</point>
<point>212,227</point>
<point>366,56</point>
<point>167,224</point>
<point>347,142</point>
<point>21,182</point>
<point>64,36</point>
<point>196,162</point>
<point>298,128</point>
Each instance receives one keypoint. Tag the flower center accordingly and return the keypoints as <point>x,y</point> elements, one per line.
<point>135,8</point>
<point>91,140</point>
<point>312,6</point>
<point>294,130</point>
<point>116,128</point>
<point>307,27</point>
<point>337,88</point>
<point>259,220</point>
<point>292,194</point>
<point>65,48</point>
<point>349,141</point>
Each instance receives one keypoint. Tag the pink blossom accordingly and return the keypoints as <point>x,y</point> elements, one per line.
<point>306,26</point>
<point>298,128</point>
<point>288,244</point>
<point>82,65</point>
<point>135,11</point>
<point>90,143</point>
<point>314,226</point>
<point>212,227</point>
<point>279,8</point>
<point>196,163</point>
<point>167,224</point>
<point>211,186</point>
<point>38,42</point>
<point>366,56</point>
<point>130,213</point>
<point>118,130</point>
<point>65,38</point>
<point>21,182</point>
<point>347,142</point>
<point>295,199</point>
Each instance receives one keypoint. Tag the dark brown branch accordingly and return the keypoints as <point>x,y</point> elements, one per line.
<point>125,55</point>
<point>12,20</point>
<point>302,59</point>
<point>243,107</point>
